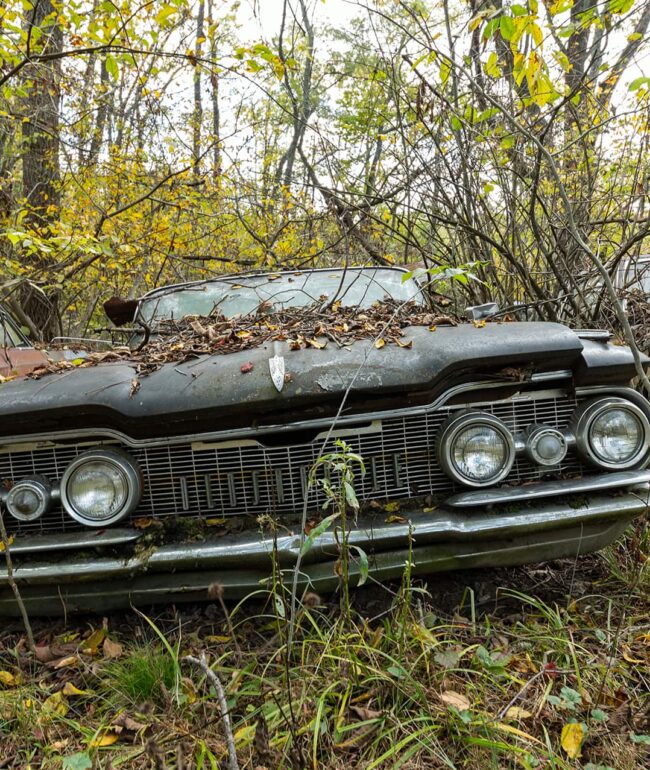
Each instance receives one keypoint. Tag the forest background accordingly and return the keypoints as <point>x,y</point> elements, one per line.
<point>157,141</point>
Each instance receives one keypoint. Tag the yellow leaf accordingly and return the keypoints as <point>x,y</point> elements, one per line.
<point>404,343</point>
<point>91,644</point>
<point>479,324</point>
<point>107,739</point>
<point>432,328</point>
<point>379,343</point>
<point>572,738</point>
<point>395,518</point>
<point>514,712</point>
<point>214,522</point>
<point>216,639</point>
<point>56,704</point>
<point>392,507</point>
<point>71,660</point>
<point>244,734</point>
<point>8,680</point>
<point>10,540</point>
<point>70,690</point>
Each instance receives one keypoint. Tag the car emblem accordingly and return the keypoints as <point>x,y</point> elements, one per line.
<point>276,367</point>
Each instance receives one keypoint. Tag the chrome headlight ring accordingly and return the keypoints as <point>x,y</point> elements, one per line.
<point>587,416</point>
<point>102,468</point>
<point>29,498</point>
<point>456,428</point>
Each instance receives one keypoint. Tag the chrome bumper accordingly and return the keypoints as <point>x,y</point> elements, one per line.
<point>509,532</point>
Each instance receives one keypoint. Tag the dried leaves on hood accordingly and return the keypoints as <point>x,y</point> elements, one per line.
<point>176,341</point>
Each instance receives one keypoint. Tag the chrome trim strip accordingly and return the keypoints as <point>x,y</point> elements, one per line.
<point>546,489</point>
<point>74,540</point>
<point>247,433</point>
<point>233,551</point>
<point>560,374</point>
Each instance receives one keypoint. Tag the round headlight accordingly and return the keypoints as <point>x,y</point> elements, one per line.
<point>29,499</point>
<point>476,449</point>
<point>612,433</point>
<point>101,487</point>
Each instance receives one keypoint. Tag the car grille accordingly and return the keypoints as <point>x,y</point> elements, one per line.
<point>199,479</point>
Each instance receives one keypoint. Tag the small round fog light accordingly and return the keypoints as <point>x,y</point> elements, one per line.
<point>545,446</point>
<point>29,499</point>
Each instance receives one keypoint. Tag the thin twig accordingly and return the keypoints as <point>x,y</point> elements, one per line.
<point>202,663</point>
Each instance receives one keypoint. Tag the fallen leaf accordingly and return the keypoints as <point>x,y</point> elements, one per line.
<point>126,722</point>
<point>515,712</point>
<point>392,507</point>
<point>365,713</point>
<point>215,522</point>
<point>380,342</point>
<point>55,704</point>
<point>248,367</point>
<point>479,324</point>
<point>395,518</point>
<point>90,646</point>
<point>4,545</point>
<point>143,523</point>
<point>107,739</point>
<point>404,343</point>
<point>72,690</point>
<point>572,738</point>
<point>43,653</point>
<point>112,649</point>
<point>70,660</point>
<point>314,343</point>
<point>455,699</point>
<point>8,680</point>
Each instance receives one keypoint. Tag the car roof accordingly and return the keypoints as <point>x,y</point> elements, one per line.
<point>261,274</point>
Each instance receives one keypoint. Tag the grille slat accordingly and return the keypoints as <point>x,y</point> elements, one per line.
<point>197,480</point>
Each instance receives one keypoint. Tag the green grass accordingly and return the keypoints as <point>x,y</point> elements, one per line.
<point>147,675</point>
<point>413,680</point>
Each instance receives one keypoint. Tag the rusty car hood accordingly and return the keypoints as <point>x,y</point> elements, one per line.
<point>222,391</point>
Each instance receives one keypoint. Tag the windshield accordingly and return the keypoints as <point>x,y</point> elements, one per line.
<point>240,295</point>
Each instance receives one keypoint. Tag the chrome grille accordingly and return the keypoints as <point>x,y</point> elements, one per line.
<point>199,479</point>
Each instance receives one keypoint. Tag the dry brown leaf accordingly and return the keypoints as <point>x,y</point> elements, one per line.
<point>365,713</point>
<point>112,649</point>
<point>455,699</point>
<point>69,661</point>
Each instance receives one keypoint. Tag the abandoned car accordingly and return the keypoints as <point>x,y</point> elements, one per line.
<point>129,478</point>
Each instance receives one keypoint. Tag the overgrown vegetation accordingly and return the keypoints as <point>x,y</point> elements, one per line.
<point>466,672</point>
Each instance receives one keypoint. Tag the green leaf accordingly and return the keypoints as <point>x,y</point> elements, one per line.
<point>599,715</point>
<point>447,659</point>
<point>643,739</point>
<point>620,6</point>
<point>364,566</point>
<point>571,697</point>
<point>111,66</point>
<point>317,531</point>
<point>79,761</point>
<point>638,82</point>
<point>506,27</point>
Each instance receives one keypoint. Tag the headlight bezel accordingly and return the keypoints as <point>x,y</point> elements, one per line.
<point>130,472</point>
<point>450,432</point>
<point>41,487</point>
<point>584,419</point>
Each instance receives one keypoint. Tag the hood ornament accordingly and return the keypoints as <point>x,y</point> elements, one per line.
<point>276,367</point>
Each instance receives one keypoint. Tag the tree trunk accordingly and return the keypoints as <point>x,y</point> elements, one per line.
<point>40,137</point>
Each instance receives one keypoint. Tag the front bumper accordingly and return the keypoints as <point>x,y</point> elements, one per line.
<point>91,572</point>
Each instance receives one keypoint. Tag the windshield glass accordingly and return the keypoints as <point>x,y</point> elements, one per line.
<point>240,295</point>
